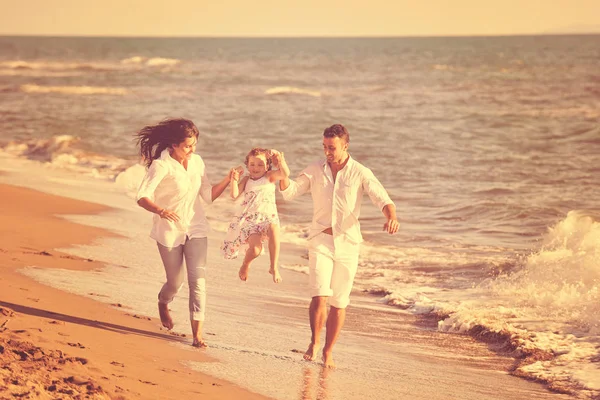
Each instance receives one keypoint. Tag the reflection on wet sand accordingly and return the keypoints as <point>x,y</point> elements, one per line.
<point>314,381</point>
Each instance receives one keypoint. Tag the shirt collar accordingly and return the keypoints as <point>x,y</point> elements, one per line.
<point>325,165</point>
<point>166,155</point>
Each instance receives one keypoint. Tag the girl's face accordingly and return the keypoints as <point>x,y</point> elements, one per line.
<point>257,166</point>
<point>185,149</point>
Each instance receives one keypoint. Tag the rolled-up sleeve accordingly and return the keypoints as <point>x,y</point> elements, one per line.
<point>155,174</point>
<point>296,188</point>
<point>375,189</point>
<point>205,188</point>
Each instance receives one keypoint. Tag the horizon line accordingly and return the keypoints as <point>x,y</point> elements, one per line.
<point>61,35</point>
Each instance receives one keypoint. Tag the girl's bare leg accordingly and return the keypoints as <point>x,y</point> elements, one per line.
<point>274,252</point>
<point>254,249</point>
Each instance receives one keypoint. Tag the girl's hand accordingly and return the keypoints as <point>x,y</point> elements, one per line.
<point>168,215</point>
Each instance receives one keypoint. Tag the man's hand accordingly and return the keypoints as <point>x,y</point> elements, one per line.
<point>391,226</point>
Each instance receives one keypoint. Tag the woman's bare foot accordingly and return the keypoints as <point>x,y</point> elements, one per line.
<point>165,316</point>
<point>311,353</point>
<point>244,272</point>
<point>328,360</point>
<point>199,343</point>
<point>276,274</point>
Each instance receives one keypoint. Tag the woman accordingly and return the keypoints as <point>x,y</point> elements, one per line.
<point>175,180</point>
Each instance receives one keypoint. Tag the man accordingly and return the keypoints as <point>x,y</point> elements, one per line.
<point>337,185</point>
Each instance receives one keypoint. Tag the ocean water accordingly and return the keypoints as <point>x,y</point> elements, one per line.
<point>490,148</point>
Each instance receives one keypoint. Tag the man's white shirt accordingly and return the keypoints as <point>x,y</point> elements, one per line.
<point>337,204</point>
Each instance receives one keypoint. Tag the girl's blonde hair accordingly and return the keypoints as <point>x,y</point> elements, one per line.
<point>257,151</point>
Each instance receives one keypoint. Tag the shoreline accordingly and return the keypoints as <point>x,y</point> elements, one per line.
<point>56,344</point>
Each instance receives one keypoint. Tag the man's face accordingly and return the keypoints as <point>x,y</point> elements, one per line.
<point>336,149</point>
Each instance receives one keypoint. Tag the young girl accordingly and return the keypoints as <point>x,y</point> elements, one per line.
<point>257,219</point>
<point>175,180</point>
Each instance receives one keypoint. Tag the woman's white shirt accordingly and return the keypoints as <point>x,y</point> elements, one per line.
<point>168,184</point>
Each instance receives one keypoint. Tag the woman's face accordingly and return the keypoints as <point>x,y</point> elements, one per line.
<point>257,166</point>
<point>185,149</point>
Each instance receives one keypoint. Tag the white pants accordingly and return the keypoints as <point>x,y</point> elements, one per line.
<point>194,252</point>
<point>331,268</point>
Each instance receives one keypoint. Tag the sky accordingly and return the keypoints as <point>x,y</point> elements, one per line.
<point>283,18</point>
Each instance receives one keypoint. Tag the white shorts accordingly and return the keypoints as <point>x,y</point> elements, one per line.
<point>331,269</point>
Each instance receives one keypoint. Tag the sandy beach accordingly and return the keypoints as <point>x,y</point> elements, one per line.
<point>57,345</point>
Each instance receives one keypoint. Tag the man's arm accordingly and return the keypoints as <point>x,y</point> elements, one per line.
<point>392,224</point>
<point>381,199</point>
<point>292,189</point>
<point>282,172</point>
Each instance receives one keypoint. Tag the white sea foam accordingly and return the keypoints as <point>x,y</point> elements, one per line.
<point>549,306</point>
<point>151,61</point>
<point>77,90</point>
<point>60,152</point>
<point>162,62</point>
<point>281,90</point>
<point>51,65</point>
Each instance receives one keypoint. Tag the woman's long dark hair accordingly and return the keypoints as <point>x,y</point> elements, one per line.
<point>153,139</point>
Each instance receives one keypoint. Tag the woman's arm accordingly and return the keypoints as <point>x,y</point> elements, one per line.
<point>155,174</point>
<point>151,206</point>
<point>220,187</point>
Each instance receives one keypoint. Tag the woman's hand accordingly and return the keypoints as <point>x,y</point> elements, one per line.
<point>168,215</point>
<point>236,173</point>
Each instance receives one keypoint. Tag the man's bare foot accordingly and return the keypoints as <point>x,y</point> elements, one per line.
<point>328,361</point>
<point>165,316</point>
<point>244,272</point>
<point>199,343</point>
<point>311,353</point>
<point>276,274</point>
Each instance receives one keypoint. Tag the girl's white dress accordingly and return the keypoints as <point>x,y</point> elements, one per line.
<point>257,211</point>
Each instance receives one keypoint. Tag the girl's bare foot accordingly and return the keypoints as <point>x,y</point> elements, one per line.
<point>276,275</point>
<point>244,272</point>
<point>311,353</point>
<point>199,343</point>
<point>165,316</point>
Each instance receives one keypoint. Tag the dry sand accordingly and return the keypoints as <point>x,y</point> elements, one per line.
<point>56,345</point>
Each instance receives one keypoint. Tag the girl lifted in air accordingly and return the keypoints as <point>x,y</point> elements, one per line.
<point>256,220</point>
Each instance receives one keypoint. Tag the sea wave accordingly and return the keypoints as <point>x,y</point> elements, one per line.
<point>76,90</point>
<point>287,90</point>
<point>544,312</point>
<point>50,65</point>
<point>69,68</point>
<point>151,61</point>
<point>61,151</point>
